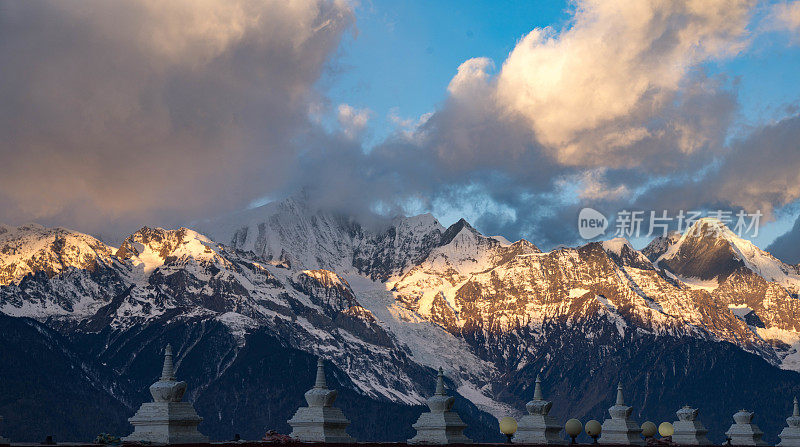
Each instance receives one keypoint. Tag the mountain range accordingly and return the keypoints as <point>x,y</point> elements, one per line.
<point>249,301</point>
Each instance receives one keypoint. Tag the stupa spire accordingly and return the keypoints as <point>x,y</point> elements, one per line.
<point>320,383</point>
<point>440,383</point>
<point>620,428</point>
<point>790,436</point>
<point>537,390</point>
<point>168,370</point>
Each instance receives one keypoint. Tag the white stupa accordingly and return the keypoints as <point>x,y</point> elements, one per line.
<point>620,429</point>
<point>687,429</point>
<point>538,427</point>
<point>441,425</point>
<point>167,420</point>
<point>4,441</point>
<point>790,436</point>
<point>744,431</point>
<point>320,421</point>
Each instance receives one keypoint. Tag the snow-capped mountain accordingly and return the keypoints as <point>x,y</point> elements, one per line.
<point>758,288</point>
<point>709,251</point>
<point>50,272</point>
<point>159,275</point>
<point>33,248</point>
<point>659,245</point>
<point>388,301</point>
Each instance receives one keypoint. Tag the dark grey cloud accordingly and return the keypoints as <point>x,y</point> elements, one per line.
<point>464,157</point>
<point>759,173</point>
<point>786,247</point>
<point>115,114</point>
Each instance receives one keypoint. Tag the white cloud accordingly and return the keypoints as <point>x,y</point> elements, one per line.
<point>471,78</point>
<point>595,88</point>
<point>603,108</point>
<point>353,121</point>
<point>593,187</point>
<point>409,128</point>
<point>786,17</point>
<point>614,110</point>
<point>761,173</point>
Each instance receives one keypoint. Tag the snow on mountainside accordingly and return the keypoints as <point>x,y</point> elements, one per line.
<point>163,276</point>
<point>533,290</point>
<point>428,288</point>
<point>150,249</point>
<point>710,250</point>
<point>33,248</point>
<point>711,257</point>
<point>383,301</point>
<point>659,245</point>
<point>290,231</point>
<point>406,242</point>
<point>370,256</point>
<point>56,272</point>
<point>471,284</point>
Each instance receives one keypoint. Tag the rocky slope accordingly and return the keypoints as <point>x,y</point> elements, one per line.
<point>387,302</point>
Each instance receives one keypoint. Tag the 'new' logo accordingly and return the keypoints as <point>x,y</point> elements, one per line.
<point>591,223</point>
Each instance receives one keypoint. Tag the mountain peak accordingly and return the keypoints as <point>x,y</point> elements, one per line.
<point>453,231</point>
<point>660,244</point>
<point>703,252</point>
<point>616,245</point>
<point>711,226</point>
<point>31,248</point>
<point>710,250</point>
<point>622,252</point>
<point>150,247</point>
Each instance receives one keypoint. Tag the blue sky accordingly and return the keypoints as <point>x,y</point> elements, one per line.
<point>404,53</point>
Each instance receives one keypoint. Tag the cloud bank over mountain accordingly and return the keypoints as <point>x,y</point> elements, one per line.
<point>122,113</point>
<point>615,110</point>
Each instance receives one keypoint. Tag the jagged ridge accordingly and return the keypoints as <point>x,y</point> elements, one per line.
<point>386,300</point>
